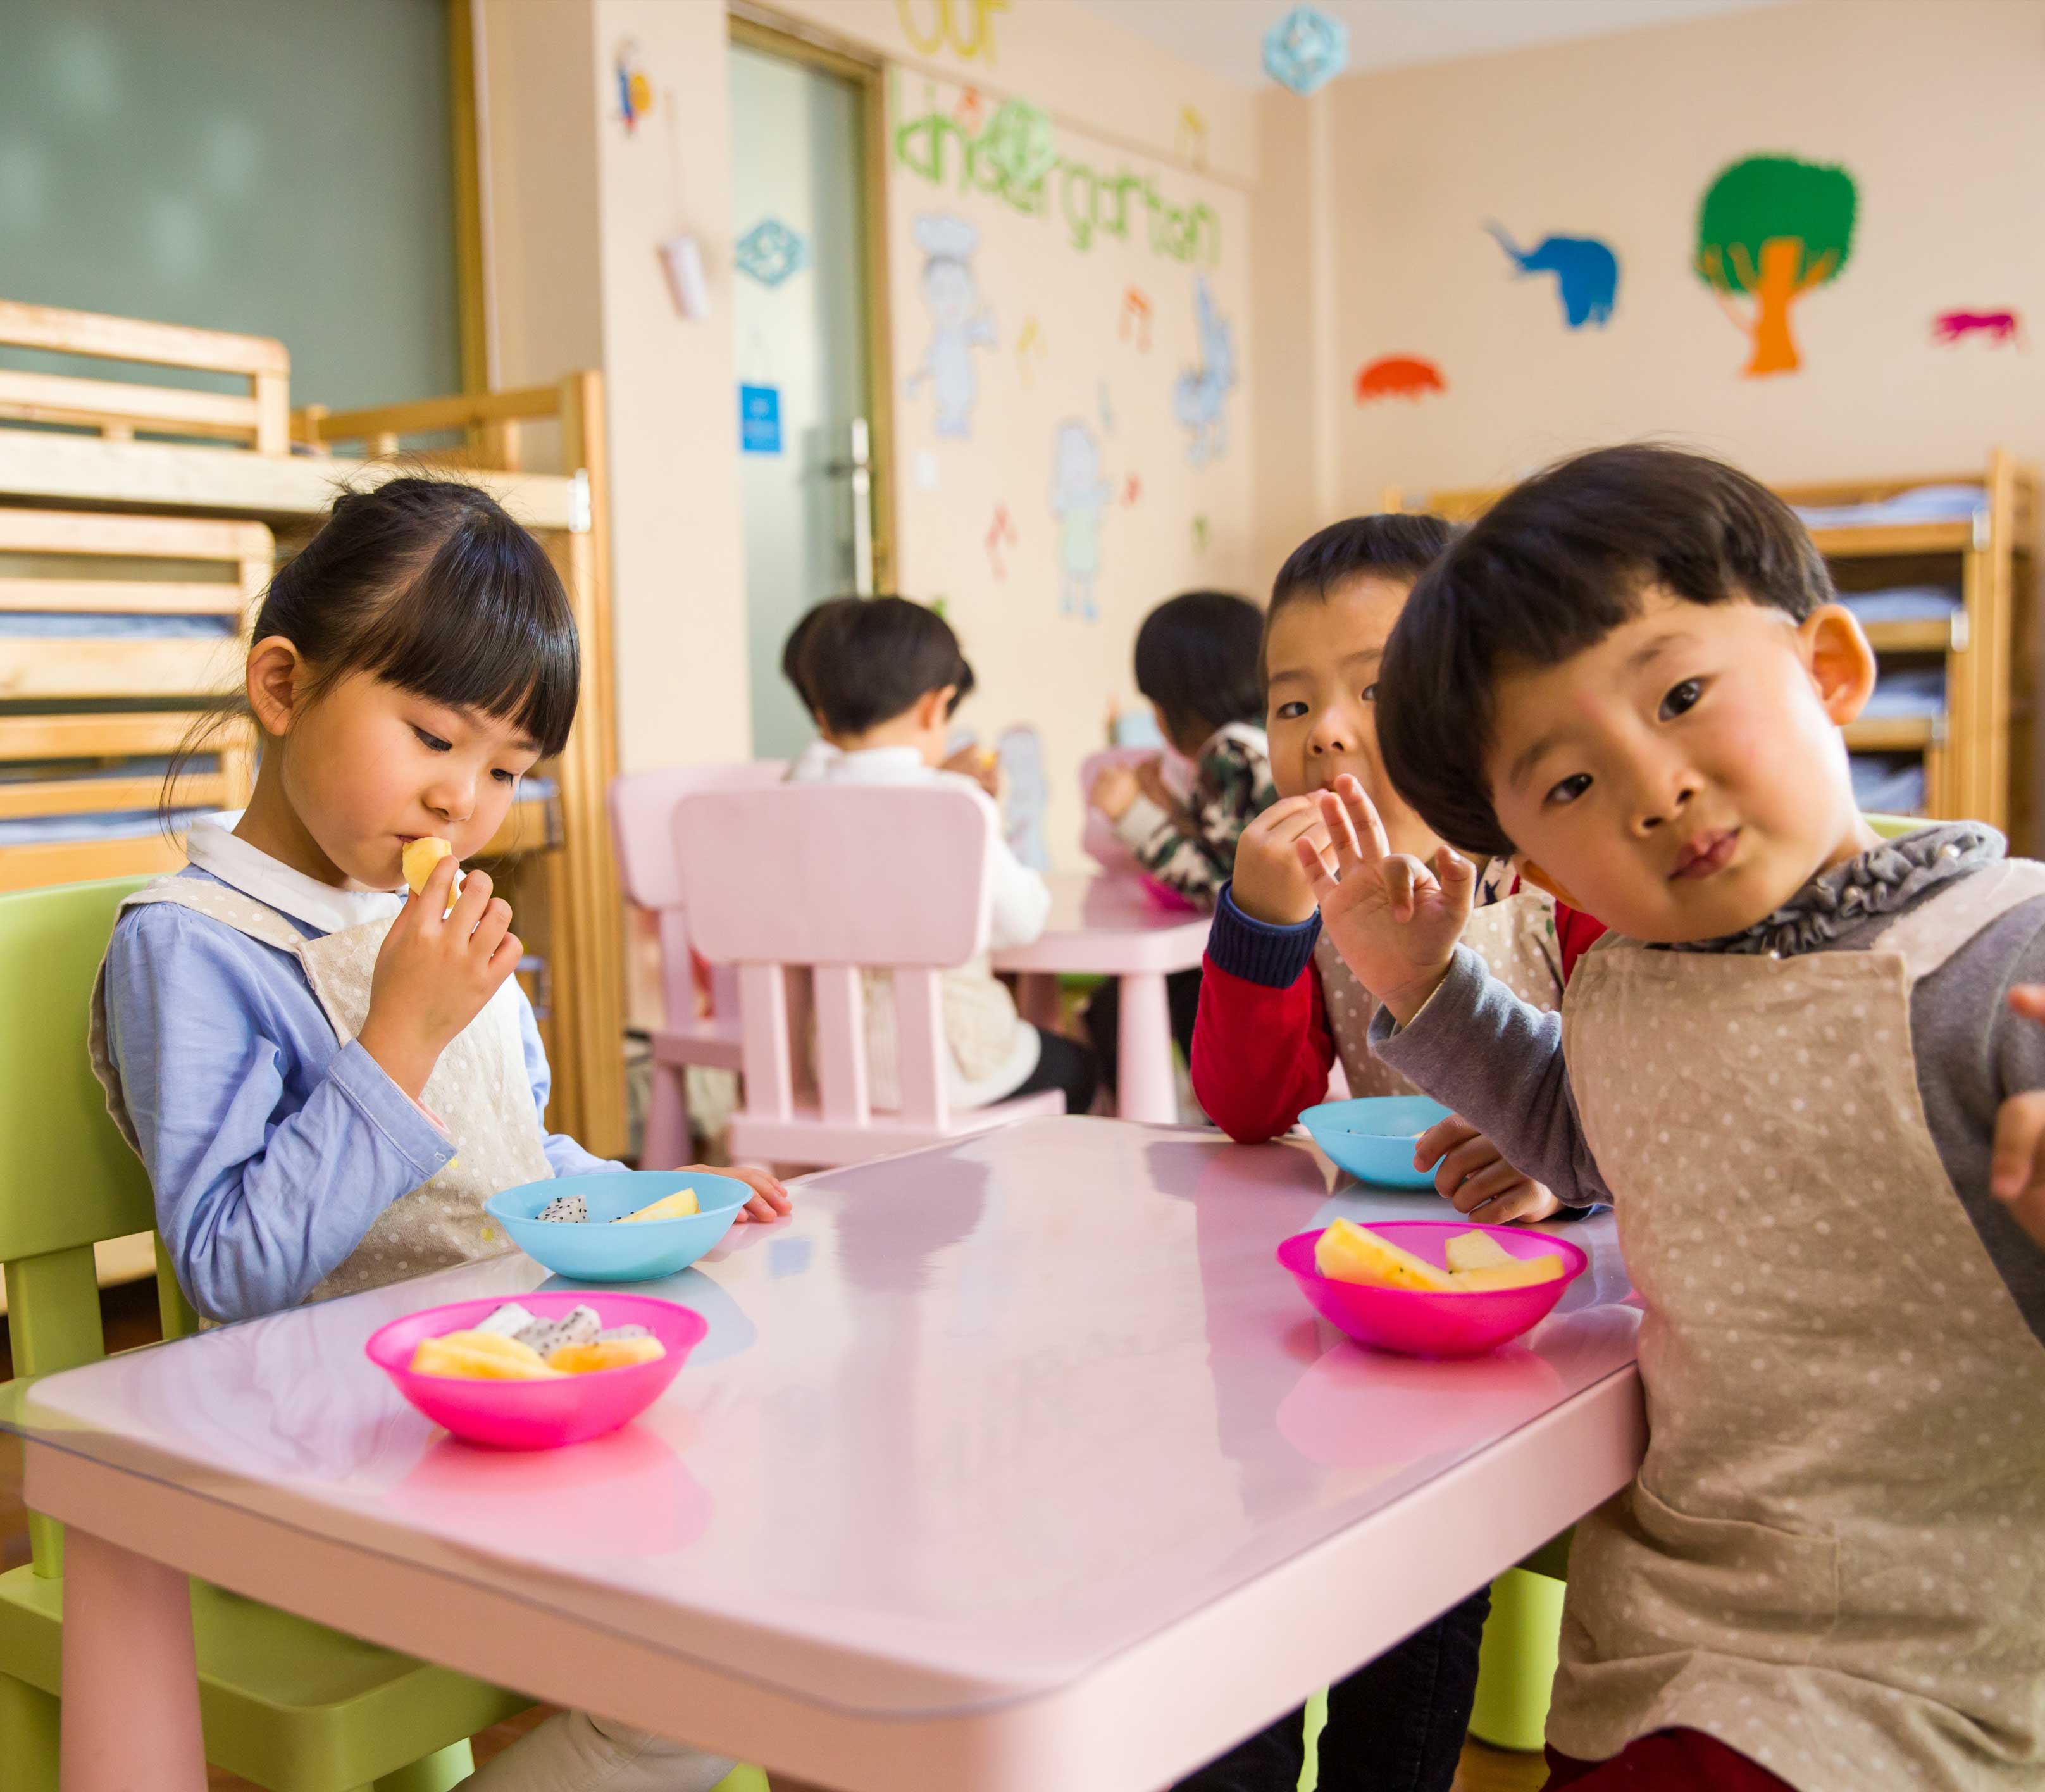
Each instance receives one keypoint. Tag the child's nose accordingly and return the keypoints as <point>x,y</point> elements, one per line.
<point>452,796</point>
<point>1666,799</point>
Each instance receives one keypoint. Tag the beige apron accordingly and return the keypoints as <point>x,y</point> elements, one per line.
<point>478,1090</point>
<point>1515,936</point>
<point>1833,1557</point>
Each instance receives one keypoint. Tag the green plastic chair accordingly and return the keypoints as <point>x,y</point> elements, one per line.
<point>289,1705</point>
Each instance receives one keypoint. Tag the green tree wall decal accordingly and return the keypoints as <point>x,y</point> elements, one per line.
<point>1770,229</point>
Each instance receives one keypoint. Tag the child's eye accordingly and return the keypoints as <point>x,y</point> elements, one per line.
<point>1570,789</point>
<point>504,776</point>
<point>432,743</point>
<point>1370,693</point>
<point>1683,697</point>
<point>1291,711</point>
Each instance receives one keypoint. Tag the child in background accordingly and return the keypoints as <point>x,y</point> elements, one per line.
<point>1197,662</point>
<point>1785,1070</point>
<point>327,1081</point>
<point>1278,1006</point>
<point>886,676</point>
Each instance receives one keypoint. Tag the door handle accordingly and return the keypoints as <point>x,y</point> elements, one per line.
<point>859,469</point>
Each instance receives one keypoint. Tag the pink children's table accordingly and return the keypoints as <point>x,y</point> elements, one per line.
<point>1109,925</point>
<point>1012,1464</point>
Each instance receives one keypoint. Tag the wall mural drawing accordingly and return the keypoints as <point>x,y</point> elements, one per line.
<point>1996,327</point>
<point>1080,494</point>
<point>959,322</point>
<point>1198,394</point>
<point>1398,376</point>
<point>1585,269</point>
<point>1771,228</point>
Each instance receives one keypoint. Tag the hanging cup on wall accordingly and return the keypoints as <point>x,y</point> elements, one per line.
<point>682,256</point>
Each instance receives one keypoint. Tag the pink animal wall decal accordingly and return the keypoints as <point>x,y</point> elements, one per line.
<point>1999,327</point>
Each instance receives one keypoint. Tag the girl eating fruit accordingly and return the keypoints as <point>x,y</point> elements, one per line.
<point>326,1080</point>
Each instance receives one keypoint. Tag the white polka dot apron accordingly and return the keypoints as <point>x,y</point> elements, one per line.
<point>1833,1557</point>
<point>478,1089</point>
<point>1515,936</point>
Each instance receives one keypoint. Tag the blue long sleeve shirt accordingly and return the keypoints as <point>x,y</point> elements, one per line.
<point>271,1146</point>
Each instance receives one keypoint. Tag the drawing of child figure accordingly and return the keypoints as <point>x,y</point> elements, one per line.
<point>1078,496</point>
<point>959,321</point>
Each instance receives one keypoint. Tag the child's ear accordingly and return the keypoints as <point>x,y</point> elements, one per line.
<point>935,706</point>
<point>1840,661</point>
<point>276,670</point>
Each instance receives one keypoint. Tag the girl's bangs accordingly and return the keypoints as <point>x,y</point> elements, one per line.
<point>486,626</point>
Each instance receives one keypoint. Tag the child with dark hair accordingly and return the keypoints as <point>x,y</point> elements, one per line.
<point>1793,1070</point>
<point>325,1079</point>
<point>885,677</point>
<point>1197,660</point>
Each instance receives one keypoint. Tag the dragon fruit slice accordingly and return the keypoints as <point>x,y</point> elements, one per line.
<point>508,1321</point>
<point>569,1208</point>
<point>579,1325</point>
<point>617,1334</point>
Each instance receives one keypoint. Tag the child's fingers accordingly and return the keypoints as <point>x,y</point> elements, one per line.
<point>490,931</point>
<point>1399,886</point>
<point>1319,877</point>
<point>1453,871</point>
<point>1342,834</point>
<point>1488,1184</point>
<point>1363,815</point>
<point>765,1185</point>
<point>1474,1155</point>
<point>1529,1201</point>
<point>1441,1138</point>
<point>2028,1000</point>
<point>469,907</point>
<point>2020,1125</point>
<point>504,960</point>
<point>436,896</point>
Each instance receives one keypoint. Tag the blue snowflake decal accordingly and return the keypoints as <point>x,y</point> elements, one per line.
<point>1306,49</point>
<point>770,252</point>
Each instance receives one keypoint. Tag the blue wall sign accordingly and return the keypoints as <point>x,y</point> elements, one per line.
<point>760,419</point>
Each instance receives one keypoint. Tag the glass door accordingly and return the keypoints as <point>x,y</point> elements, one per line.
<point>806,322</point>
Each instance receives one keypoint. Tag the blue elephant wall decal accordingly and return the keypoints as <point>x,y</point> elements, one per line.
<point>1586,273</point>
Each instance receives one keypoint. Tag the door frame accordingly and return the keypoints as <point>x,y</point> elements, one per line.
<point>867,76</point>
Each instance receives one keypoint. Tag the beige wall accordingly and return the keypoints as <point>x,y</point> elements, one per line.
<point>1932,105</point>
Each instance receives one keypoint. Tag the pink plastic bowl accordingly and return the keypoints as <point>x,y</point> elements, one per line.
<point>539,1414</point>
<point>1417,1323</point>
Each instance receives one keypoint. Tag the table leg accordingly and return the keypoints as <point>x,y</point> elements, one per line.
<point>1148,1092</point>
<point>130,1720</point>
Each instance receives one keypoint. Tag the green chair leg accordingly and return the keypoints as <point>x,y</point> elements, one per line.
<point>1516,1661</point>
<point>28,1737</point>
<point>1313,1722</point>
<point>743,1778</point>
<point>438,1772</point>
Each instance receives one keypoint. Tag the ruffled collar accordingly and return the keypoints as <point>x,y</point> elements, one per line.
<point>1885,880</point>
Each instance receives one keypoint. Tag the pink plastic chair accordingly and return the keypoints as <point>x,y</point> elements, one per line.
<point>840,879</point>
<point>1102,844</point>
<point>642,822</point>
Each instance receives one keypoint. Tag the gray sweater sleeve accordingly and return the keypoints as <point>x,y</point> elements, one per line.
<point>1498,1061</point>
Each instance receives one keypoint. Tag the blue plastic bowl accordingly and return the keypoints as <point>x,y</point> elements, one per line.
<point>597,1251</point>
<point>1373,1139</point>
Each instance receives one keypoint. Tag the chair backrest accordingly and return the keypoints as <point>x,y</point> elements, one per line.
<point>258,417</point>
<point>1103,845</point>
<point>840,879</point>
<point>642,823</point>
<point>68,1179</point>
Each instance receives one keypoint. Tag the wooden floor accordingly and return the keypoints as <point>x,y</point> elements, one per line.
<point>130,1319</point>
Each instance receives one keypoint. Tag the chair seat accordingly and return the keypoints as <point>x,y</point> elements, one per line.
<point>285,1702</point>
<point>710,1040</point>
<point>807,1138</point>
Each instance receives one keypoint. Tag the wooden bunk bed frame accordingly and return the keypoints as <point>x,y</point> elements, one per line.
<point>125,472</point>
<point>1978,753</point>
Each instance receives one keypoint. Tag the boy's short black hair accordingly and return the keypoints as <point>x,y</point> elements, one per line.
<point>794,647</point>
<point>1391,545</point>
<point>862,662</point>
<point>1197,659</point>
<point>1553,568</point>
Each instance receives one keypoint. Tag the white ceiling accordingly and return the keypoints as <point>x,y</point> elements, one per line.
<point>1226,36</point>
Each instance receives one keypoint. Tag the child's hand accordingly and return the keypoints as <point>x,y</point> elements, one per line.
<point>1395,921</point>
<point>770,1201</point>
<point>1470,1173</point>
<point>981,765</point>
<point>1268,884</point>
<point>1150,781</point>
<point>435,973</point>
<point>2016,1173</point>
<point>1115,788</point>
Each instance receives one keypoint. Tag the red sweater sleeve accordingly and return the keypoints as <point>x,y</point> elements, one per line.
<point>1261,1055</point>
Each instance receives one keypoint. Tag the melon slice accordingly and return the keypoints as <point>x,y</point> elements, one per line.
<point>1477,1251</point>
<point>481,1356</point>
<point>420,857</point>
<point>1515,1272</point>
<point>610,1353</point>
<point>1347,1253</point>
<point>678,1206</point>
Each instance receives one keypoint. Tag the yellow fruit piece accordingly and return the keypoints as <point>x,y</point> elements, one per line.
<point>669,1207</point>
<point>1476,1250</point>
<point>421,856</point>
<point>1516,1272</point>
<point>606,1353</point>
<point>481,1356</point>
<point>1347,1253</point>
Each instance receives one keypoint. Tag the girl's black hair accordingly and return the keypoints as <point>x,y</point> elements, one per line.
<point>1197,659</point>
<point>860,661</point>
<point>1552,568</point>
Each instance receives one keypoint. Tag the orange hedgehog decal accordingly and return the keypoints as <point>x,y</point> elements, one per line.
<point>1399,376</point>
